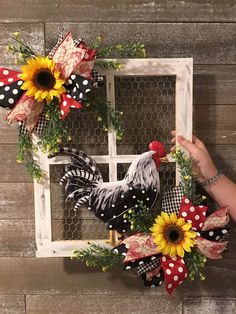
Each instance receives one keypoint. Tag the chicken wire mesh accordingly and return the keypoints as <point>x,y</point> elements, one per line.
<point>148,106</point>
<point>148,103</point>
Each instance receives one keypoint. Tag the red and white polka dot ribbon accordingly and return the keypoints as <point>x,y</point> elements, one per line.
<point>175,271</point>
<point>66,103</point>
<point>196,215</point>
<point>8,76</point>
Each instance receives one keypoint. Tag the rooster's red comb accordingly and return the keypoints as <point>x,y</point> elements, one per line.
<point>158,147</point>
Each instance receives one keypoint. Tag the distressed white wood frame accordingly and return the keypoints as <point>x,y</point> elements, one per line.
<point>182,69</point>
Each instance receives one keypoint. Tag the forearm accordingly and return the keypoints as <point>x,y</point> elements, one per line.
<point>223,191</point>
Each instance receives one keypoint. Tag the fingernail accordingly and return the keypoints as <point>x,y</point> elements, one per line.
<point>180,137</point>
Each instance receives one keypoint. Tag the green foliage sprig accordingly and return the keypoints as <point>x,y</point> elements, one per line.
<point>108,65</point>
<point>25,154</point>
<point>20,49</point>
<point>188,178</point>
<point>141,219</point>
<point>106,114</point>
<point>133,50</point>
<point>98,256</point>
<point>195,262</point>
<point>55,132</point>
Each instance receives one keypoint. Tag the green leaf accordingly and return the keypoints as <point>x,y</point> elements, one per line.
<point>106,114</point>
<point>55,132</point>
<point>98,256</point>
<point>25,154</point>
<point>188,178</point>
<point>141,219</point>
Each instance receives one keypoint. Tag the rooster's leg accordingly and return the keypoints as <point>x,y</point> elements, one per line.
<point>114,238</point>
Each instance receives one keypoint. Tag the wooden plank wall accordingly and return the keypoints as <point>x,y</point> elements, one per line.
<point>204,30</point>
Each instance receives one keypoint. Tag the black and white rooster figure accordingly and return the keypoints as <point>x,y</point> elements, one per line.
<point>110,200</point>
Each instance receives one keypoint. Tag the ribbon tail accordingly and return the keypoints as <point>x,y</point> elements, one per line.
<point>175,272</point>
<point>211,249</point>
<point>66,103</point>
<point>26,110</point>
<point>68,56</point>
<point>153,278</point>
<point>218,219</point>
<point>84,69</point>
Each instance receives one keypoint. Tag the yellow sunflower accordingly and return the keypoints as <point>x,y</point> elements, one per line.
<point>41,79</point>
<point>172,235</point>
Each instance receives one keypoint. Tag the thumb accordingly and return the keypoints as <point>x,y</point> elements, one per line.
<point>188,145</point>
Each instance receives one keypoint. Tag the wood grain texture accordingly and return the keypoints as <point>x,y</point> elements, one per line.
<point>207,43</point>
<point>58,304</point>
<point>12,304</point>
<point>10,170</point>
<point>16,201</point>
<point>219,280</point>
<point>224,157</point>
<point>32,33</point>
<point>8,133</point>
<point>122,11</point>
<point>211,305</point>
<point>213,136</point>
<point>65,276</point>
<point>215,124</point>
<point>17,238</point>
<point>214,84</point>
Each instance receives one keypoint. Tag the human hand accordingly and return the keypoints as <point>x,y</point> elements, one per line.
<point>203,165</point>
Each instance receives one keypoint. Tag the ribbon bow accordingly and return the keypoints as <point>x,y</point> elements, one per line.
<point>74,62</point>
<point>141,252</point>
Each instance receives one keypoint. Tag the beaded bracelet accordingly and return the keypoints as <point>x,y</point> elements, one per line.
<point>213,179</point>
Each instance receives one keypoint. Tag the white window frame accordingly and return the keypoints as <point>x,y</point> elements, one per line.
<point>182,69</point>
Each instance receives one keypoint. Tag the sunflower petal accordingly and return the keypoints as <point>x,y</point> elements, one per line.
<point>58,83</point>
<point>190,234</point>
<point>26,85</point>
<point>187,226</point>
<point>159,237</point>
<point>160,221</point>
<point>173,218</point>
<point>173,251</point>
<point>166,218</point>
<point>186,246</point>
<point>166,249</point>
<point>180,251</point>
<point>31,91</point>
<point>157,229</point>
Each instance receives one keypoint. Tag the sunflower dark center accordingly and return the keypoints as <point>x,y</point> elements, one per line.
<point>44,79</point>
<point>174,234</point>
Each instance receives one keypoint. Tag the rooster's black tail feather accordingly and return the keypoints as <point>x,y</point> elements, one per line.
<point>81,176</point>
